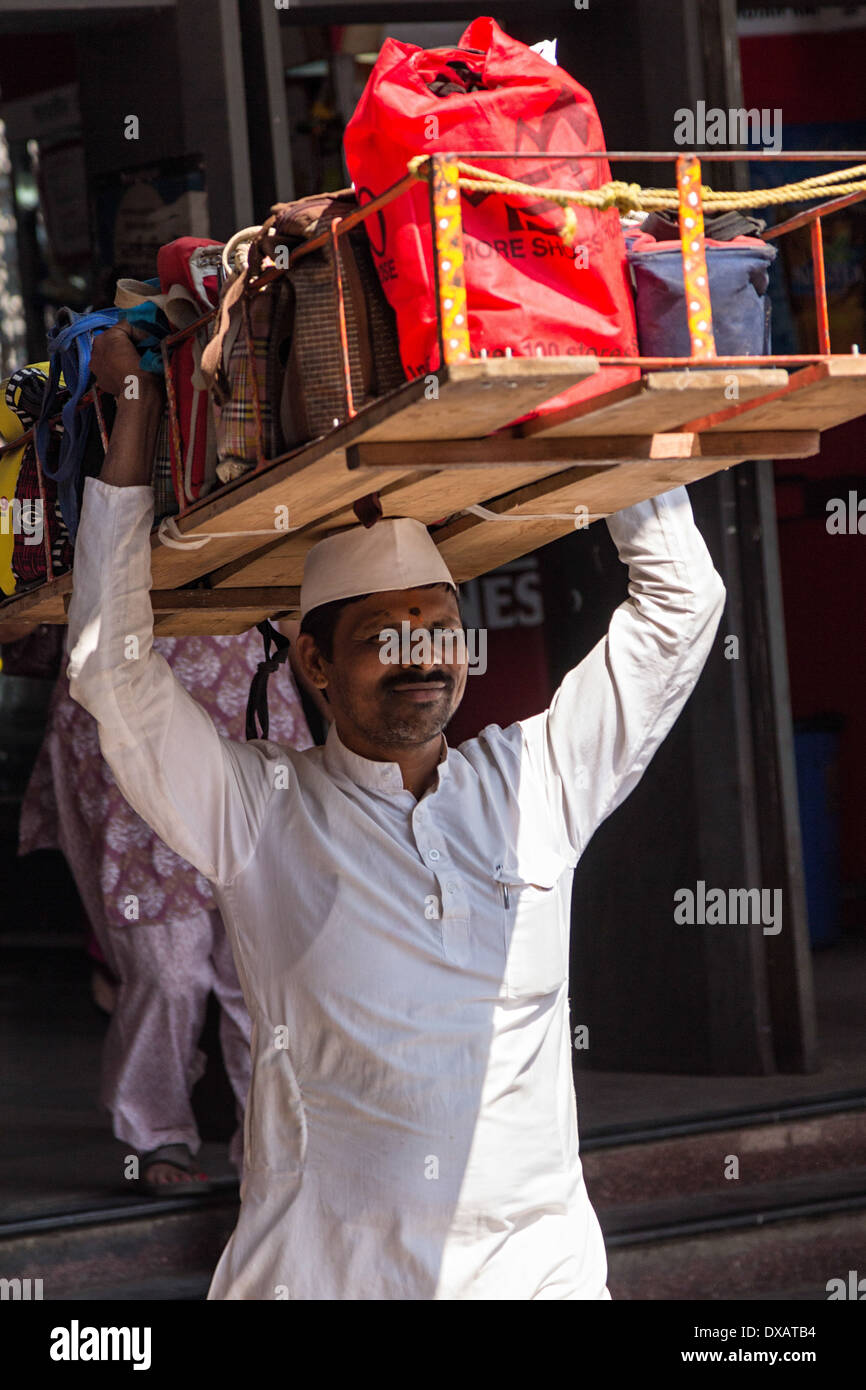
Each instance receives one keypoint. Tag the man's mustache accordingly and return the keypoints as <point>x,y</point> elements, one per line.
<point>410,677</point>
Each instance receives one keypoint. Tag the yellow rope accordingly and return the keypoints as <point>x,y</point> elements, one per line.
<point>631,197</point>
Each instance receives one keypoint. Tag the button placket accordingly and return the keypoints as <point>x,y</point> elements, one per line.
<point>453,901</point>
<point>456,941</point>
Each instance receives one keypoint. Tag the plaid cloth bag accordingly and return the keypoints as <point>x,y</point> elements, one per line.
<point>253,373</point>
<point>165,501</point>
<point>313,397</point>
<point>189,277</point>
<point>289,347</point>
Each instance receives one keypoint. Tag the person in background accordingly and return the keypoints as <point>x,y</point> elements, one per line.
<point>154,917</point>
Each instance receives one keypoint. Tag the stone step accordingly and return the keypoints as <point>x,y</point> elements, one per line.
<point>734,1205</point>
<point>781,1258</point>
<point>768,1148</point>
<point>794,1217</point>
<point>168,1244</point>
<point>675,1226</point>
<point>166,1288</point>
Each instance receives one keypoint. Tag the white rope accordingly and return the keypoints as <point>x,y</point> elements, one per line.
<point>169,534</point>
<point>486,515</point>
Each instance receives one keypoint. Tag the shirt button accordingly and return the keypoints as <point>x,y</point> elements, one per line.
<point>434,854</point>
<point>451,887</point>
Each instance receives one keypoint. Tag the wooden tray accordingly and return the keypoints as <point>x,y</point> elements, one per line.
<point>432,452</point>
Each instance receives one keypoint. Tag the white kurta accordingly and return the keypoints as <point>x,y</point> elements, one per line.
<point>411,1130</point>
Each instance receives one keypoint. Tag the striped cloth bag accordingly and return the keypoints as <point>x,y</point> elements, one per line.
<point>40,510</point>
<point>165,501</point>
<point>36,511</point>
<point>253,370</point>
<point>249,381</point>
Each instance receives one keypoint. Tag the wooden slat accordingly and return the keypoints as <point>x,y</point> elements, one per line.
<point>21,613</point>
<point>545,453</point>
<point>224,600</point>
<point>660,401</point>
<point>46,598</point>
<point>475,398</point>
<point>472,546</point>
<point>308,491</point>
<point>432,496</point>
<point>816,398</point>
<point>212,601</point>
<point>197,624</point>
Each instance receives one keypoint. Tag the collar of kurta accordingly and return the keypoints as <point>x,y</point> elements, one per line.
<point>364,772</point>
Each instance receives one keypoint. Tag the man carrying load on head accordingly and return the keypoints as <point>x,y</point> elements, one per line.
<point>398,909</point>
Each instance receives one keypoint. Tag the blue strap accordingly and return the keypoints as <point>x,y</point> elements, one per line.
<point>69,346</point>
<point>148,316</point>
<point>70,343</point>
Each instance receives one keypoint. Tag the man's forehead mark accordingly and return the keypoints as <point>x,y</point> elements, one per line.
<point>415,612</point>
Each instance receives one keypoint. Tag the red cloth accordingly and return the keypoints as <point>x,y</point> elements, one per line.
<point>176,265</point>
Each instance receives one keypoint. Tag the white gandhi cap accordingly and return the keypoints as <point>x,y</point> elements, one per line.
<point>397,553</point>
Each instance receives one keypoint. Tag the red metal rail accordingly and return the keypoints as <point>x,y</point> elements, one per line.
<point>452,316</point>
<point>450,286</point>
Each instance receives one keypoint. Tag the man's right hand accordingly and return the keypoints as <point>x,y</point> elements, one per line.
<point>115,362</point>
<point>114,359</point>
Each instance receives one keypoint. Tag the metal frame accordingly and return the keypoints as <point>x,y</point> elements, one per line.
<point>450,283</point>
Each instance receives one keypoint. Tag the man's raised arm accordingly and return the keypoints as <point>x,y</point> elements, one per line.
<point>613,710</point>
<point>204,795</point>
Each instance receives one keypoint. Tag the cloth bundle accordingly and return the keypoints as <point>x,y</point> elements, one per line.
<point>32,527</point>
<point>739,276</point>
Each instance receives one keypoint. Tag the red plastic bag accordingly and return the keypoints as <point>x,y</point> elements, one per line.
<point>526,289</point>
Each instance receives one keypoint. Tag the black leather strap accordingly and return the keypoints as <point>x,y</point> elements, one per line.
<point>257,703</point>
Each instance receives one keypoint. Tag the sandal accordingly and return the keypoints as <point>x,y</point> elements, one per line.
<point>176,1156</point>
